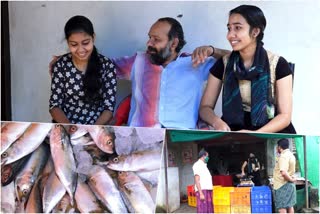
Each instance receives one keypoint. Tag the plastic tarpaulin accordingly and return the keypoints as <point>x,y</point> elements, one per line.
<point>196,135</point>
<point>313,146</point>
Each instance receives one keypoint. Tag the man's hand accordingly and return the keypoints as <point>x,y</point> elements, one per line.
<point>54,59</point>
<point>202,198</point>
<point>200,54</point>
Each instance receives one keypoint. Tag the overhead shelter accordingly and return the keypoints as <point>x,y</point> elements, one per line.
<point>210,137</point>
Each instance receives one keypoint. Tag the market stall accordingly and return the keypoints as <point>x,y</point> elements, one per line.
<point>210,138</point>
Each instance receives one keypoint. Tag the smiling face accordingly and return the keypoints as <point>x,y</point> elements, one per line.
<point>240,36</point>
<point>81,46</point>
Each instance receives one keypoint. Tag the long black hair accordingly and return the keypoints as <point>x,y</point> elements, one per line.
<point>91,83</point>
<point>254,16</point>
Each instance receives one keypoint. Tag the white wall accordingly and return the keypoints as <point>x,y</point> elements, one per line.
<point>36,33</point>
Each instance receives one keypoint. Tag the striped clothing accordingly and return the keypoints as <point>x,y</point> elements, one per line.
<point>169,96</point>
<point>285,196</point>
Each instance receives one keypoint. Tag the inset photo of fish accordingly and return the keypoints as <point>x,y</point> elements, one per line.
<point>63,168</point>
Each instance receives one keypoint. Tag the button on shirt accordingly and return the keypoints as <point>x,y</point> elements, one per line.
<point>200,168</point>
<point>164,96</point>
<point>286,162</point>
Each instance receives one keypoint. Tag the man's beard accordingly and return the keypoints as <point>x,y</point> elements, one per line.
<point>159,57</point>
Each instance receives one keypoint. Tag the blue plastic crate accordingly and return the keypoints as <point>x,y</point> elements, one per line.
<point>261,199</point>
<point>261,209</point>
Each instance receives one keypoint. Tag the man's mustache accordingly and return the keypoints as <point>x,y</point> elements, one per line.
<point>151,49</point>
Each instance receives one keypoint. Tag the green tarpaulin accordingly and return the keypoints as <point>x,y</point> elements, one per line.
<point>312,147</point>
<point>196,135</point>
<point>312,144</point>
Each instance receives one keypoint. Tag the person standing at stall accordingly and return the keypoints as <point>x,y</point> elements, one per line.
<point>203,183</point>
<point>252,166</point>
<point>83,85</point>
<point>283,178</point>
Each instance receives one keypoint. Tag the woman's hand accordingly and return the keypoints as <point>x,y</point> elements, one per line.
<point>220,125</point>
<point>246,130</point>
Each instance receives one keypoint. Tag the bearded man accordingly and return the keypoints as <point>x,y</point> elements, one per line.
<point>166,87</point>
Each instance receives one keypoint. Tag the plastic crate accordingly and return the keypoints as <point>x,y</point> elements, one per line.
<point>190,190</point>
<point>261,199</point>
<point>221,208</point>
<point>221,195</point>
<point>192,201</point>
<point>240,196</point>
<point>240,209</point>
<point>214,188</point>
<point>261,209</point>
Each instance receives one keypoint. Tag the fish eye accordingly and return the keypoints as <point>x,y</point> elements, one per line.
<point>25,192</point>
<point>5,177</point>
<point>58,125</point>
<point>73,128</point>
<point>109,142</point>
<point>120,173</point>
<point>4,155</point>
<point>116,160</point>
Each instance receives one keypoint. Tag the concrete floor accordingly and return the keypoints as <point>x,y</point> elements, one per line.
<point>185,208</point>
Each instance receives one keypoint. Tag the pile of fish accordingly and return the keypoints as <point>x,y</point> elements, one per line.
<point>79,168</point>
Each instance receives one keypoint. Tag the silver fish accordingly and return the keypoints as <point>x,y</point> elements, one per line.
<point>103,137</point>
<point>151,176</point>
<point>86,200</point>
<point>27,143</point>
<point>80,135</point>
<point>46,173</point>
<point>34,203</point>
<point>8,198</point>
<point>53,192</point>
<point>48,168</point>
<point>9,171</point>
<point>64,205</point>
<point>78,131</point>
<point>136,192</point>
<point>30,172</point>
<point>63,159</point>
<point>105,190</point>
<point>138,161</point>
<point>84,141</point>
<point>10,132</point>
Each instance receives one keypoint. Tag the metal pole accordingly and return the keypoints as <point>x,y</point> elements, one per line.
<point>306,170</point>
<point>165,171</point>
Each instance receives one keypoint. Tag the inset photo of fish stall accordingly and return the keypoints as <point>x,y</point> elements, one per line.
<point>62,168</point>
<point>237,172</point>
